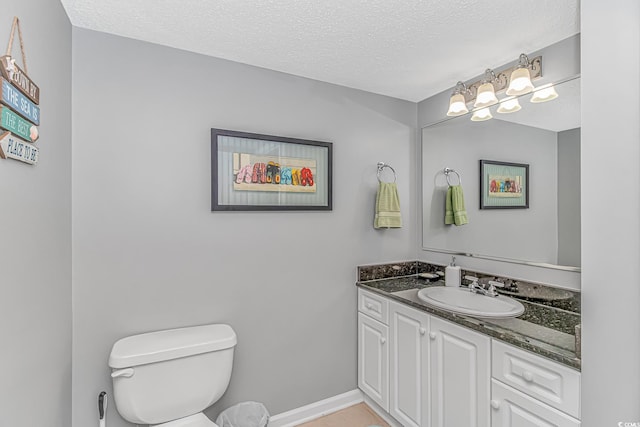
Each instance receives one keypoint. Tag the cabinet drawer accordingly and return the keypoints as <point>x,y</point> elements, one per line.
<point>374,306</point>
<point>511,408</point>
<point>543,379</point>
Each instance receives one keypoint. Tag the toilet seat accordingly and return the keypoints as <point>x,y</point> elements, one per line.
<point>195,420</point>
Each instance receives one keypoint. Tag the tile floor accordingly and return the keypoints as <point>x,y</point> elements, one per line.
<point>359,415</point>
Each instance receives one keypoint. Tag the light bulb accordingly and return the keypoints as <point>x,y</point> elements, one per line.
<point>520,82</point>
<point>509,105</point>
<point>544,94</point>
<point>486,96</point>
<point>457,105</point>
<point>481,115</point>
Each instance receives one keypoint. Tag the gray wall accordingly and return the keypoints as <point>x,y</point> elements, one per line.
<point>560,60</point>
<point>149,254</point>
<point>610,218</point>
<point>569,197</point>
<point>35,306</point>
<point>529,234</point>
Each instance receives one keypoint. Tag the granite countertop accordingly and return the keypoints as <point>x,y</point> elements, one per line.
<point>541,329</point>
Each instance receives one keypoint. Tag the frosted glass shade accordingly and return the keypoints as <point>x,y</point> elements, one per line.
<point>457,105</point>
<point>481,115</point>
<point>486,96</point>
<point>509,105</point>
<point>544,94</point>
<point>520,82</point>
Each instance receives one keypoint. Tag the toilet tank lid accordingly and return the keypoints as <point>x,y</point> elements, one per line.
<point>170,344</point>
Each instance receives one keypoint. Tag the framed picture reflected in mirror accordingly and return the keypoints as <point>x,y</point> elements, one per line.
<point>504,185</point>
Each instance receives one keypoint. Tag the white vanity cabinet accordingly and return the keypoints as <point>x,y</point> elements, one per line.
<point>460,375</point>
<point>373,348</point>
<point>409,367</point>
<point>429,372</point>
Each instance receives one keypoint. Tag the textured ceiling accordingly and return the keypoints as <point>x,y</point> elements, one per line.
<point>407,49</point>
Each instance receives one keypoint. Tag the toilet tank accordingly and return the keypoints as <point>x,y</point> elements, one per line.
<point>162,376</point>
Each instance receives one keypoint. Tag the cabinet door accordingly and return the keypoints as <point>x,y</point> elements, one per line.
<point>512,408</point>
<point>460,376</point>
<point>373,360</point>
<point>409,366</point>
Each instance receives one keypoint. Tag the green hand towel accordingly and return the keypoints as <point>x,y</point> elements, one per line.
<point>387,207</point>
<point>448,208</point>
<point>455,212</point>
<point>457,200</point>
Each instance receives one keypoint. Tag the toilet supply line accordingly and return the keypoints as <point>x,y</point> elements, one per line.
<point>102,408</point>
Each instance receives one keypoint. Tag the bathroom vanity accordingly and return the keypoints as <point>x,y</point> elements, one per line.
<point>430,367</point>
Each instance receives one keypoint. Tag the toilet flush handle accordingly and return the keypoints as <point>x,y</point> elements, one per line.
<point>126,373</point>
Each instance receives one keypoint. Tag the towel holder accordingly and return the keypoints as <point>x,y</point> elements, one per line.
<point>448,171</point>
<point>381,166</point>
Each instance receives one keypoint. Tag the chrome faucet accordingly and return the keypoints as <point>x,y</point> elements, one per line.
<point>479,286</point>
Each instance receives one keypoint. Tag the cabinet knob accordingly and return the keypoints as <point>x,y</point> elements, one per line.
<point>495,404</point>
<point>432,335</point>
<point>369,306</point>
<point>383,340</point>
<point>528,376</point>
<point>423,331</point>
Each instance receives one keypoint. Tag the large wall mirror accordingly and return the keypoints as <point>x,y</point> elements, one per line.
<point>545,136</point>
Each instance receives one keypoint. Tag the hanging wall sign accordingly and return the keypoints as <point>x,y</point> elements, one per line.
<point>19,78</point>
<point>19,113</point>
<point>12,147</point>
<point>17,125</point>
<point>19,103</point>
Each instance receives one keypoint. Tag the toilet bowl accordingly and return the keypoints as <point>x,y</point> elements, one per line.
<point>167,378</point>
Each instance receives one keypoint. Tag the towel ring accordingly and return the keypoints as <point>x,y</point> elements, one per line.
<point>448,171</point>
<point>381,166</point>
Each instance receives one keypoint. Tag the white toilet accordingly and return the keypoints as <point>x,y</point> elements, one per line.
<point>167,378</point>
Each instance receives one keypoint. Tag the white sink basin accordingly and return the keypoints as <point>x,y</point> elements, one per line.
<point>461,301</point>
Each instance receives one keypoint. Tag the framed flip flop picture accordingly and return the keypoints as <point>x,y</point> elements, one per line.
<point>254,172</point>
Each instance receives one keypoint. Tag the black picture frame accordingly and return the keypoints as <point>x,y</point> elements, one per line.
<point>504,185</point>
<point>239,158</point>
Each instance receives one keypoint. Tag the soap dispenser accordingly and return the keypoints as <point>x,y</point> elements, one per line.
<point>452,274</point>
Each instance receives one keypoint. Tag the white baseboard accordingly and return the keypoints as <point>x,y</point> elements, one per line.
<point>315,410</point>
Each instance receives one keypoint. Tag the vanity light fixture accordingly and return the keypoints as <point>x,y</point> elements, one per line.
<point>486,95</point>
<point>521,77</point>
<point>457,102</point>
<point>544,94</point>
<point>481,115</point>
<point>515,80</point>
<point>509,105</point>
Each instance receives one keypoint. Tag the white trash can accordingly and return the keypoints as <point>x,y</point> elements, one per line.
<point>244,414</point>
